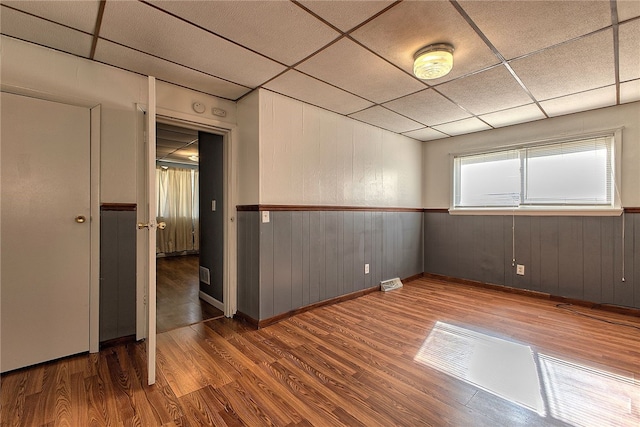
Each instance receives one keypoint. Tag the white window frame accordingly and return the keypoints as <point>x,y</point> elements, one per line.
<point>614,209</point>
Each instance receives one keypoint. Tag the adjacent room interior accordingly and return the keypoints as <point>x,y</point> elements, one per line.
<point>178,245</point>
<point>480,156</point>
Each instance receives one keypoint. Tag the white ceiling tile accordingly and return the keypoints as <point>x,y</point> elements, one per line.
<point>81,15</point>
<point>629,34</point>
<point>428,107</point>
<point>347,78</point>
<point>630,91</point>
<point>26,27</point>
<point>589,100</point>
<point>398,33</point>
<point>426,134</point>
<point>519,27</point>
<point>175,135</point>
<point>345,14</point>
<point>485,92</point>
<point>386,119</point>
<point>353,68</point>
<point>129,59</point>
<point>162,151</point>
<point>573,67</point>
<point>307,89</point>
<point>145,28</point>
<point>278,29</point>
<point>176,144</point>
<point>462,126</point>
<point>164,146</point>
<point>628,9</point>
<point>179,156</point>
<point>512,116</point>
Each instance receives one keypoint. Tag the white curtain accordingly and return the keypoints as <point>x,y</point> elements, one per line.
<point>178,206</point>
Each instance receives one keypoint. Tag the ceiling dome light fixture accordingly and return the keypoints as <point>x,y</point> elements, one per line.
<point>433,61</point>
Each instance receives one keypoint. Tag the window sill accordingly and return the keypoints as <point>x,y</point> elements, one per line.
<point>539,211</point>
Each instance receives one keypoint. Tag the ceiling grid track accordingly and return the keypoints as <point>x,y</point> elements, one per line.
<point>616,46</point>
<point>342,35</point>
<point>495,51</point>
<point>186,21</point>
<point>356,59</point>
<point>96,32</point>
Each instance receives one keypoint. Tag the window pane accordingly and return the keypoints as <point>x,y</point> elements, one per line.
<point>568,174</point>
<point>489,180</point>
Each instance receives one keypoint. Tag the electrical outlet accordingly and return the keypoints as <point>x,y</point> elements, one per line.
<point>366,269</point>
<point>520,270</point>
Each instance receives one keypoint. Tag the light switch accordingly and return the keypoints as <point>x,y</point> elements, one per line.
<point>213,206</point>
<point>265,216</point>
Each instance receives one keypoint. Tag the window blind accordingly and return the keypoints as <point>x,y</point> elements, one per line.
<point>570,173</point>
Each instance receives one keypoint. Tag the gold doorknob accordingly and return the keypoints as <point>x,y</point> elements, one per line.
<point>80,219</point>
<point>150,225</point>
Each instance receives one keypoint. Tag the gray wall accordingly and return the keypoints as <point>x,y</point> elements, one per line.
<point>573,257</point>
<point>210,152</point>
<point>117,274</point>
<point>248,248</point>
<point>303,257</point>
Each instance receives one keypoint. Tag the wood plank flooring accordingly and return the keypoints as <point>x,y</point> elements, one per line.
<point>431,353</point>
<point>178,302</point>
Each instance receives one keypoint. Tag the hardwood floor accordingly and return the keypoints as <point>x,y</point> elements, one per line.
<point>178,302</point>
<point>431,353</point>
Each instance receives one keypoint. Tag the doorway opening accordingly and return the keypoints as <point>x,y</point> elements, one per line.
<point>182,298</point>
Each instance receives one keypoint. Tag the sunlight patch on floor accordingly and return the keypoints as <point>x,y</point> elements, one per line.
<point>575,394</point>
<point>583,396</point>
<point>500,367</point>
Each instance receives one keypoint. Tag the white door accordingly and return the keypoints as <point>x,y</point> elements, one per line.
<point>45,230</point>
<point>151,227</point>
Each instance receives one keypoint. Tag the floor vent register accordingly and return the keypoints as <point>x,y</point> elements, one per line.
<point>391,284</point>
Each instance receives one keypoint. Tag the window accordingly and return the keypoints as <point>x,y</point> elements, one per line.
<point>576,174</point>
<point>178,196</point>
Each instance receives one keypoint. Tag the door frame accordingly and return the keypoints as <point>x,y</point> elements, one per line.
<point>95,117</point>
<point>94,268</point>
<point>228,132</point>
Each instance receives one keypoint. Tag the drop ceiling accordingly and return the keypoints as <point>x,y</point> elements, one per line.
<point>514,61</point>
<point>176,145</point>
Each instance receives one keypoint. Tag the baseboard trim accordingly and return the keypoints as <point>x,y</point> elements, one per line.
<point>209,299</point>
<point>258,324</point>
<point>412,278</point>
<point>117,341</point>
<point>630,311</point>
<point>246,318</point>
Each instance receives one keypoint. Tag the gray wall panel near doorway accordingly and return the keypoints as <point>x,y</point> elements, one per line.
<point>306,257</point>
<point>249,263</point>
<point>117,274</point>
<point>211,156</point>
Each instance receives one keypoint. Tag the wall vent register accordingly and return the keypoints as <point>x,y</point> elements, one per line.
<point>205,275</point>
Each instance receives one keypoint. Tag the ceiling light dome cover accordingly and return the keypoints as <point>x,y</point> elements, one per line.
<point>433,62</point>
